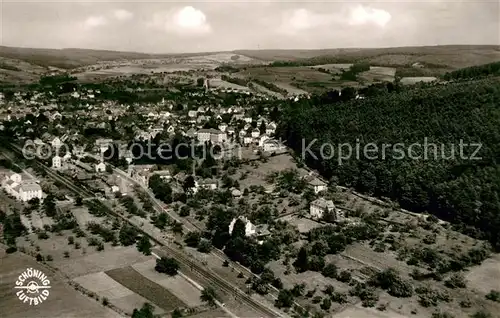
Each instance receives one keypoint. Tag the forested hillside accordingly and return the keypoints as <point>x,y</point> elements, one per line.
<point>455,188</point>
<point>474,71</point>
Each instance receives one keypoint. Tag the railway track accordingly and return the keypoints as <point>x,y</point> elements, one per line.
<point>178,255</point>
<point>219,282</point>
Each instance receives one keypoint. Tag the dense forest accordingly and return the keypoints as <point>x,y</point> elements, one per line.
<point>474,71</point>
<point>443,180</point>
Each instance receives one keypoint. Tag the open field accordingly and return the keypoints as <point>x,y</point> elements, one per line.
<point>485,277</point>
<point>335,68</point>
<point>83,217</point>
<point>218,83</point>
<point>117,294</point>
<point>156,294</point>
<point>63,301</point>
<point>452,56</point>
<point>101,261</point>
<point>214,313</point>
<point>378,74</point>
<point>289,78</point>
<point>414,80</point>
<point>361,312</point>
<point>186,292</point>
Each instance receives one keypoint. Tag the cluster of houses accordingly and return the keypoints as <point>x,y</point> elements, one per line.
<point>20,186</point>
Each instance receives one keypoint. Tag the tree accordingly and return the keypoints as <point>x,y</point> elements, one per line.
<point>330,270</point>
<point>192,239</point>
<point>162,190</point>
<point>39,258</point>
<point>49,205</point>
<point>177,313</point>
<point>481,314</point>
<point>494,295</point>
<point>204,246</point>
<point>239,229</point>
<point>301,264</point>
<point>144,245</point>
<point>147,311</point>
<point>285,299</point>
<point>79,201</point>
<point>184,211</point>
<point>189,183</point>
<point>127,235</point>
<point>209,296</point>
<point>326,303</point>
<point>456,281</point>
<point>167,265</point>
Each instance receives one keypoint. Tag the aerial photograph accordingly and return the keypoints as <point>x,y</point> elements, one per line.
<point>249,159</point>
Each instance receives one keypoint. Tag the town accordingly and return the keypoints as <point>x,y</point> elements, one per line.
<point>184,200</point>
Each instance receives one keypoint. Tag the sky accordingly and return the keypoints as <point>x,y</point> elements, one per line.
<point>164,26</point>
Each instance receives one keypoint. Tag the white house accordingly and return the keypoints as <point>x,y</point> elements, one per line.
<point>248,120</point>
<point>23,190</point>
<point>270,129</point>
<point>247,140</point>
<point>223,127</point>
<point>56,162</point>
<point>255,133</point>
<point>192,113</point>
<point>203,135</point>
<point>250,229</point>
<point>28,191</point>
<point>272,145</point>
<point>56,143</point>
<point>217,136</point>
<point>208,184</point>
<point>100,167</point>
<point>318,185</point>
<point>103,144</point>
<point>321,206</point>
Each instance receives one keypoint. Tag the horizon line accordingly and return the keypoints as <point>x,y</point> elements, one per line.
<point>257,49</point>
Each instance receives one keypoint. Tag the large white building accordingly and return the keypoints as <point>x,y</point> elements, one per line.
<point>321,206</point>
<point>272,145</point>
<point>213,135</point>
<point>250,229</point>
<point>22,190</point>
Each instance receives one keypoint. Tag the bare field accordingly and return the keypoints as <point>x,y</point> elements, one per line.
<point>101,261</point>
<point>214,313</point>
<point>117,294</point>
<point>485,277</point>
<point>155,293</point>
<point>304,225</point>
<point>361,312</point>
<point>288,77</point>
<point>378,74</point>
<point>63,301</point>
<point>83,217</point>
<point>219,83</point>
<point>415,80</point>
<point>371,258</point>
<point>180,287</point>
